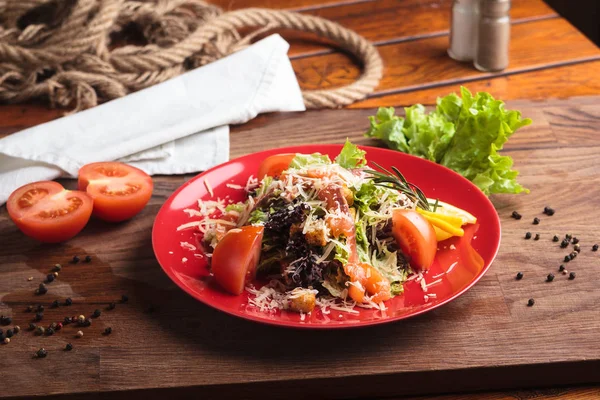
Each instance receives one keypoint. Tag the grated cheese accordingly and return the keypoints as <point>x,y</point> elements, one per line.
<point>234,186</point>
<point>209,188</point>
<point>187,246</point>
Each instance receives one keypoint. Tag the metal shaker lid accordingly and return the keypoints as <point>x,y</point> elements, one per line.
<point>494,8</point>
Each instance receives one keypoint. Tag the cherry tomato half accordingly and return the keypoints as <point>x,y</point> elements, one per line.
<point>275,165</point>
<point>415,236</point>
<point>119,191</point>
<point>48,212</point>
<point>235,257</point>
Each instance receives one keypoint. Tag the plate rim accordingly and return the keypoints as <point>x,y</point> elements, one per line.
<point>300,325</point>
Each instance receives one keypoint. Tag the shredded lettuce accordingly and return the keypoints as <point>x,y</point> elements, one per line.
<point>351,156</point>
<point>463,133</point>
<point>258,216</point>
<point>239,207</point>
<point>304,160</point>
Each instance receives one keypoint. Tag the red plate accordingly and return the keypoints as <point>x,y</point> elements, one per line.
<point>459,264</point>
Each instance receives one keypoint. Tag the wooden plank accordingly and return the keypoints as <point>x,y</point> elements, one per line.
<point>201,352</point>
<point>387,21</point>
<point>566,81</point>
<point>424,63</point>
<point>295,5</point>
<point>584,393</point>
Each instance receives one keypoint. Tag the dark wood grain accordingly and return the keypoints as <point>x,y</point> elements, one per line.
<point>164,339</point>
<point>416,65</point>
<point>586,393</point>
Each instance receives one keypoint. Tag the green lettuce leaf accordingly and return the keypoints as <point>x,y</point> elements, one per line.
<point>463,133</point>
<point>351,156</point>
<point>304,160</point>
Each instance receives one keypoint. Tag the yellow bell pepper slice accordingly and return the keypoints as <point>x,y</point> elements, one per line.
<point>441,235</point>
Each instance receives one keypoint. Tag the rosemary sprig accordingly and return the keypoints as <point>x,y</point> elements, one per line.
<point>399,182</point>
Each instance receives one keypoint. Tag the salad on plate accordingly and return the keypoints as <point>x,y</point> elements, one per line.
<point>320,233</point>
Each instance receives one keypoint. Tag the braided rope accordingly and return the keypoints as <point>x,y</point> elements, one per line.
<point>82,70</point>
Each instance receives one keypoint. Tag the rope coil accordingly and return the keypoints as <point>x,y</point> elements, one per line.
<point>62,50</point>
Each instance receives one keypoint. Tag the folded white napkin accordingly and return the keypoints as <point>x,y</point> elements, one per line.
<point>176,127</point>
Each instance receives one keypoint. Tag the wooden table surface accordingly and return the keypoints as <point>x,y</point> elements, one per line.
<point>165,343</point>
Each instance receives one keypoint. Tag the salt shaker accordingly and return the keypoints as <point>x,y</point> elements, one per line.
<point>493,35</point>
<point>463,30</point>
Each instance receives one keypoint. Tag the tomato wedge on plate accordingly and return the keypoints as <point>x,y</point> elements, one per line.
<point>235,257</point>
<point>48,212</point>
<point>415,236</point>
<point>119,191</point>
<point>275,165</point>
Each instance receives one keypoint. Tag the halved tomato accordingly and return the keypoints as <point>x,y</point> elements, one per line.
<point>415,236</point>
<point>275,165</point>
<point>48,212</point>
<point>235,257</point>
<point>119,191</point>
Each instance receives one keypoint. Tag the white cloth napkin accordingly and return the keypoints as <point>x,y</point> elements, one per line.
<point>178,126</point>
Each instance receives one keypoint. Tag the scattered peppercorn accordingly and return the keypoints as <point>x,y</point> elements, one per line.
<point>40,330</point>
<point>79,334</point>
<point>572,275</point>
<point>555,238</point>
<point>75,259</point>
<point>564,243</point>
<point>9,333</point>
<point>565,272</point>
<point>124,298</point>
<point>81,319</point>
<point>528,235</point>
<point>39,308</point>
<point>561,268</point>
<point>575,240</point>
<point>530,302</point>
<point>68,301</point>
<point>548,211</point>
<point>87,322</point>
<point>568,236</point>
<point>59,326</point>
<point>577,248</point>
<point>112,306</point>
<point>50,278</point>
<point>57,267</point>
<point>519,276</point>
<point>537,236</point>
<point>55,274</point>
<point>55,304</point>
<point>42,289</point>
<point>41,353</point>
<point>87,259</point>
<point>39,316</point>
<point>595,247</point>
<point>573,255</point>
<point>50,331</point>
<point>5,320</point>
<point>17,329</point>
<point>108,331</point>
<point>29,309</point>
<point>67,321</point>
<point>515,215</point>
<point>96,313</point>
<point>69,347</point>
<point>536,221</point>
<point>32,326</point>
<point>550,277</point>
<point>6,340</point>
<point>567,258</point>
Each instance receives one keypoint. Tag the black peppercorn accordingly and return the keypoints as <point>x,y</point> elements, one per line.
<point>595,247</point>
<point>41,353</point>
<point>87,259</point>
<point>39,316</point>
<point>55,304</point>
<point>40,330</point>
<point>50,331</point>
<point>5,320</point>
<point>568,236</point>
<point>96,313</point>
<point>112,306</point>
<point>528,235</point>
<point>29,309</point>
<point>555,238</point>
<point>87,322</point>
<point>574,240</point>
<point>124,298</point>
<point>68,301</point>
<point>50,278</point>
<point>57,268</point>
<point>32,326</point>
<point>573,255</point>
<point>548,211</point>
<point>550,277</point>
<point>69,347</point>
<point>564,243</point>
<point>17,329</point>
<point>561,268</point>
<point>42,289</point>
<point>577,248</point>
<point>519,276</point>
<point>67,321</point>
<point>39,308</point>
<point>530,302</point>
<point>567,258</point>
<point>108,331</point>
<point>537,236</point>
<point>75,259</point>
<point>515,215</point>
<point>572,275</point>
<point>536,221</point>
<point>9,333</point>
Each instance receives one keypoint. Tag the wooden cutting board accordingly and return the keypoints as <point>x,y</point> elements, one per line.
<point>488,338</point>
